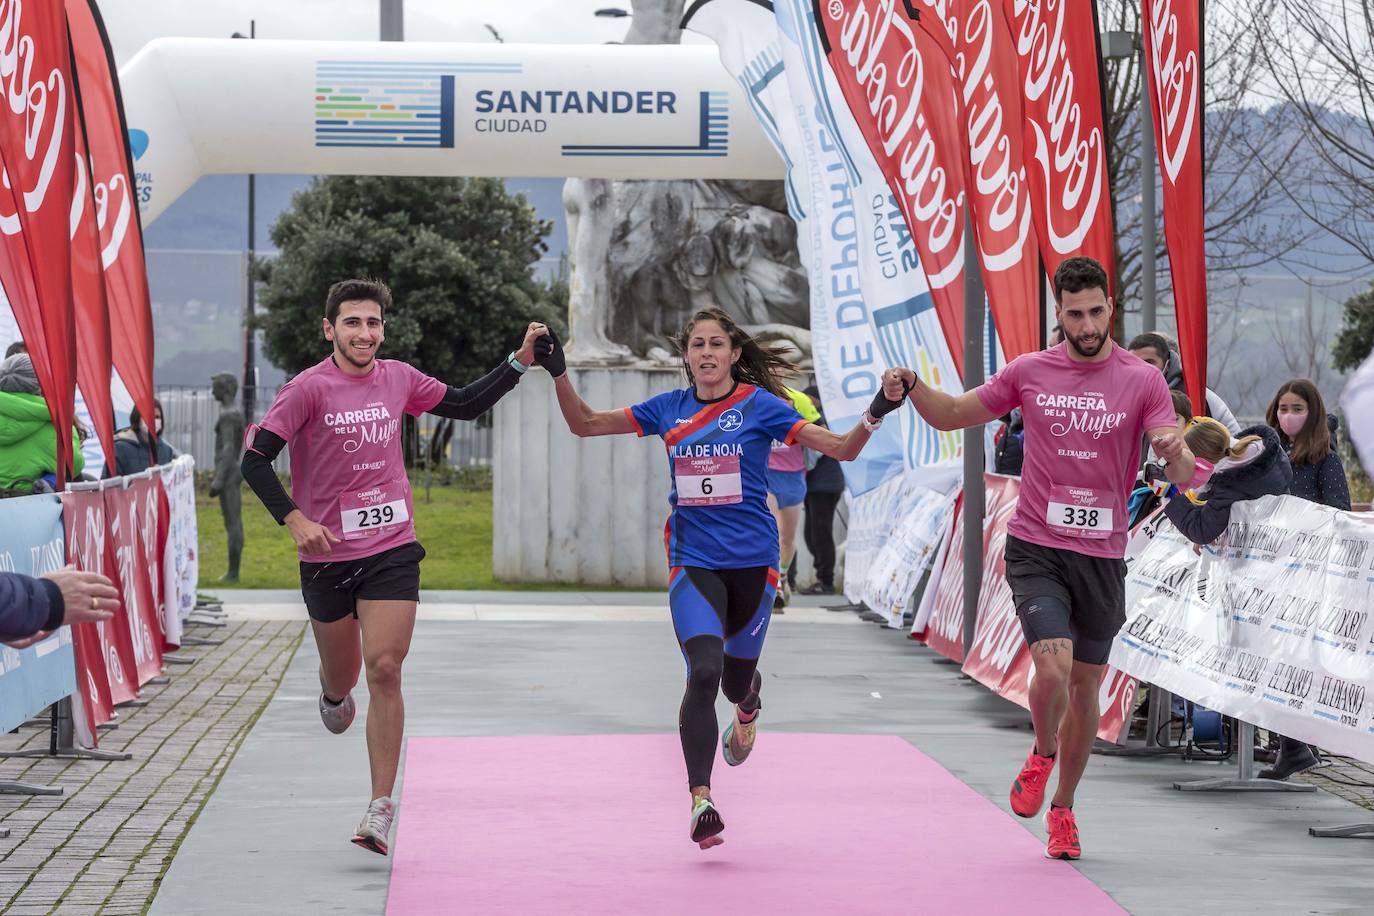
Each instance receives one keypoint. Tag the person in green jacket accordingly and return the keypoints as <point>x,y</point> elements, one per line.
<point>28,444</point>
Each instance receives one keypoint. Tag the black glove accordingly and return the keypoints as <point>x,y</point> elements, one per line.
<point>881,406</point>
<point>548,352</point>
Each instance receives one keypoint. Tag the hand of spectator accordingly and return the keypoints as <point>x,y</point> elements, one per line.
<point>30,641</point>
<point>535,331</point>
<point>87,597</point>
<point>311,538</point>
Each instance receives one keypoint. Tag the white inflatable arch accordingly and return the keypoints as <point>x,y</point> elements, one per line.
<point>199,106</point>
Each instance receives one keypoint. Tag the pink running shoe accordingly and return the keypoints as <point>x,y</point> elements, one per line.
<point>1028,791</point>
<point>1063,842</point>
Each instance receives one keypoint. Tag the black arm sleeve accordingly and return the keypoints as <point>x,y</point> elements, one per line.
<point>257,470</point>
<point>471,401</point>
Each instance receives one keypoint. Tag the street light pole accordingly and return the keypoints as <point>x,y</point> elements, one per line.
<point>1149,314</point>
<point>250,367</point>
<point>975,497</point>
<point>393,20</point>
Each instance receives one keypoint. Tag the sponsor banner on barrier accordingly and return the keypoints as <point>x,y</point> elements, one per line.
<point>918,520</point>
<point>150,503</point>
<point>125,548</point>
<point>999,657</point>
<point>944,625</point>
<point>182,563</point>
<point>89,548</point>
<point>100,673</point>
<point>31,542</point>
<point>1273,625</point>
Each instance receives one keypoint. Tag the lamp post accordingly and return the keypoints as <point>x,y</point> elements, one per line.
<point>1120,46</point>
<point>250,367</point>
<point>393,20</point>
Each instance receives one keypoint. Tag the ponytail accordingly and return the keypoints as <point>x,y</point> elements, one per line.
<point>757,365</point>
<point>1211,441</point>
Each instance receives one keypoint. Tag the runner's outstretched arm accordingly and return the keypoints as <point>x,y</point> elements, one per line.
<point>848,446</point>
<point>581,419</point>
<point>1169,445</point>
<point>940,409</point>
<point>471,401</point>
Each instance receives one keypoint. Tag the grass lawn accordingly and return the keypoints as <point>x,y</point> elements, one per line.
<point>455,527</point>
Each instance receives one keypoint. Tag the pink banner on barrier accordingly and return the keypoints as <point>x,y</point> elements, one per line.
<point>131,573</point>
<point>999,658</point>
<point>84,517</point>
<point>151,503</point>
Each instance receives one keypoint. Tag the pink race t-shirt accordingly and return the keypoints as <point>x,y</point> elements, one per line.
<point>347,469</point>
<point>1084,427</point>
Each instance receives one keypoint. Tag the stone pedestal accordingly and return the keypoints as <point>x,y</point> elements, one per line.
<point>589,511</point>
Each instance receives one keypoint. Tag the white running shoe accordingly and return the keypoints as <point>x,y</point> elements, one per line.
<point>337,716</point>
<point>376,826</point>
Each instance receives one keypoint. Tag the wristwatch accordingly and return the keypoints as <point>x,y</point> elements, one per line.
<point>870,424</point>
<point>514,362</point>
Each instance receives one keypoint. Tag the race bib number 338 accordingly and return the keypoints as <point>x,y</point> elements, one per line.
<point>708,481</point>
<point>1080,512</point>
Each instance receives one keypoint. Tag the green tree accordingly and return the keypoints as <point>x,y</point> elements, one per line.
<point>1355,340</point>
<point>458,254</point>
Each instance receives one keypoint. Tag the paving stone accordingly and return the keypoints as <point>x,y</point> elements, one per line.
<point>119,821</point>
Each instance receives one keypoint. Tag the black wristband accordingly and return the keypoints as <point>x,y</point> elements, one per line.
<point>881,406</point>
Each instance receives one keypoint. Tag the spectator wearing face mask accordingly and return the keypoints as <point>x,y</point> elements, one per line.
<point>1298,416</point>
<point>132,452</point>
<point>1158,351</point>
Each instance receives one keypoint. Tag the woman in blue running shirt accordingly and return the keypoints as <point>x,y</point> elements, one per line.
<point>721,540</point>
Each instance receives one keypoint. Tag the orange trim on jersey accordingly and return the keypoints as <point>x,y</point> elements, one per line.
<point>707,414</point>
<point>774,577</point>
<point>639,430</point>
<point>792,433</point>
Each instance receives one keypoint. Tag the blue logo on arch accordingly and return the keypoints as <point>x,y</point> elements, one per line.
<point>731,420</point>
<point>138,142</point>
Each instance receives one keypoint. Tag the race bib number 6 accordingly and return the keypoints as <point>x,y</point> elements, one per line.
<point>708,481</point>
<point>370,512</point>
<point>1080,512</point>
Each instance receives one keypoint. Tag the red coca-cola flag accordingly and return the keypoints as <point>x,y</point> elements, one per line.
<point>116,206</point>
<point>37,150</point>
<point>93,363</point>
<point>1065,143</point>
<point>131,572</point>
<point>898,81</point>
<point>1173,65</point>
<point>984,55</point>
<point>110,682</point>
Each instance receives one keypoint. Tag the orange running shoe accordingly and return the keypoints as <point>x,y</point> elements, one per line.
<point>1028,791</point>
<point>1063,842</point>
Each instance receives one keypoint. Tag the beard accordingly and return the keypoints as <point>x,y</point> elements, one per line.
<point>1087,353</point>
<point>353,357</point>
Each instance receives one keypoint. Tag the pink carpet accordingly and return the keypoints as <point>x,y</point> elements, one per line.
<point>598,825</point>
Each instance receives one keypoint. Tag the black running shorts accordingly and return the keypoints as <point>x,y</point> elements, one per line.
<point>332,589</point>
<point>1087,597</point>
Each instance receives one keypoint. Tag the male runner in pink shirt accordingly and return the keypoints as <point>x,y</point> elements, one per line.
<point>350,512</point>
<point>1087,404</point>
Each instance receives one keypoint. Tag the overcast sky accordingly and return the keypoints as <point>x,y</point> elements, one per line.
<point>134,23</point>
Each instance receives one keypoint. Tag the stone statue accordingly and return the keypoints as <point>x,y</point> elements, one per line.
<point>646,254</point>
<point>228,477</point>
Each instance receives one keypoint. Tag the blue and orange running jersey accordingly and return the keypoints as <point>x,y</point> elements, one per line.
<point>718,460</point>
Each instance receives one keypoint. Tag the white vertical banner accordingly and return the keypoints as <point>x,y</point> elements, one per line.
<point>1358,403</point>
<point>870,305</point>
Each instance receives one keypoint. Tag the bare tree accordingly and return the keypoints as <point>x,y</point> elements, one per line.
<point>1246,152</point>
<point>1302,337</point>
<point>1319,54</point>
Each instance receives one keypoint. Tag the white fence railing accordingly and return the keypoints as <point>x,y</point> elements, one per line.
<point>189,415</point>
